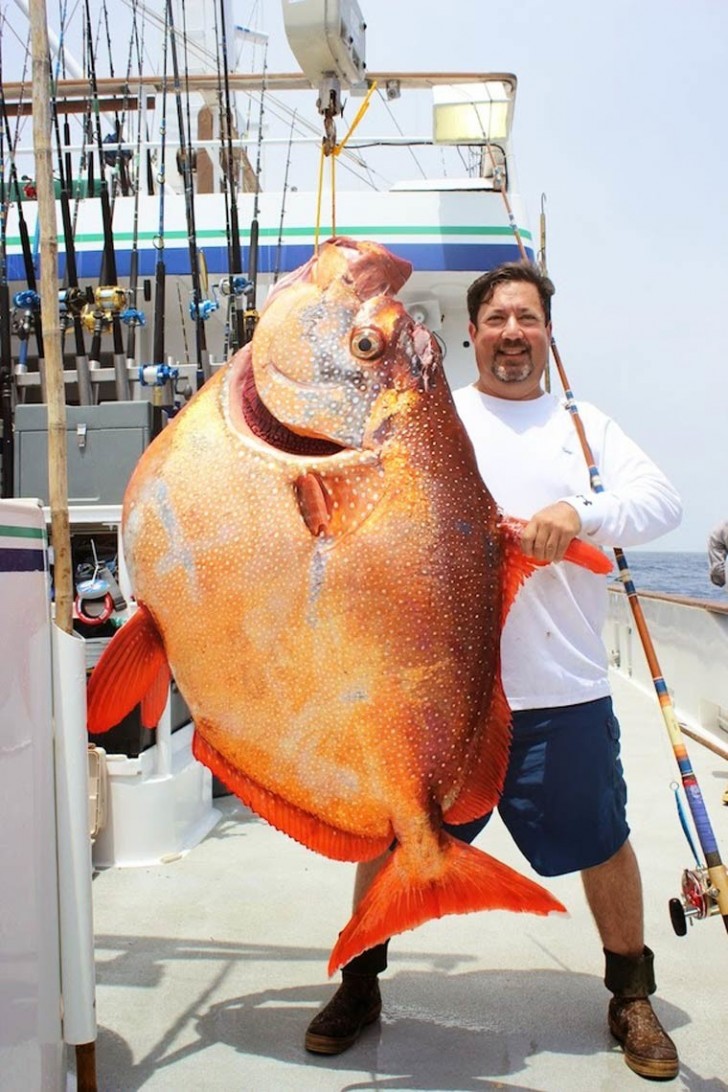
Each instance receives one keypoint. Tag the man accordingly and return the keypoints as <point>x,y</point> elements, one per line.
<point>717,554</point>
<point>563,725</point>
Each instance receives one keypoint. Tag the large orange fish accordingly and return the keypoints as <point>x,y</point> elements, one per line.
<point>317,560</point>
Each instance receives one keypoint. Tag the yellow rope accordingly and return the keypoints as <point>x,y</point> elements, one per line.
<point>333,193</point>
<point>360,114</point>
<point>335,151</point>
<point>318,200</point>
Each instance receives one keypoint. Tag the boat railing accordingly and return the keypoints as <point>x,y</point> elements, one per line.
<point>690,636</point>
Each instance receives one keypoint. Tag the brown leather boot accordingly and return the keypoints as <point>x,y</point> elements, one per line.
<point>338,1025</point>
<point>648,1049</point>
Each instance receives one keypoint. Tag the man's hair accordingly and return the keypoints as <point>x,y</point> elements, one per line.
<point>481,290</point>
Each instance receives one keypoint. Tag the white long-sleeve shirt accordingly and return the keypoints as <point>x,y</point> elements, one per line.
<point>529,456</point>
<point>718,554</point>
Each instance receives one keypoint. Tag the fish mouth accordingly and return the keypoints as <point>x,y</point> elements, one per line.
<point>308,385</point>
<point>273,432</point>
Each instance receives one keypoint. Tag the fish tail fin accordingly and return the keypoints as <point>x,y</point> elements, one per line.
<point>133,668</point>
<point>402,898</point>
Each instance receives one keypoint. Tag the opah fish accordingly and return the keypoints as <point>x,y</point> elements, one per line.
<point>317,560</point>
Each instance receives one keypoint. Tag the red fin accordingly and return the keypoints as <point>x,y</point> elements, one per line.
<point>400,899</point>
<point>298,824</point>
<point>518,566</point>
<point>155,699</point>
<point>129,670</point>
<point>484,780</point>
<point>588,556</point>
<point>314,502</point>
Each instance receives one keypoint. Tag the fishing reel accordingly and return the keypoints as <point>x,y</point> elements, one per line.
<point>186,161</point>
<point>235,286</point>
<point>118,155</point>
<point>132,316</point>
<point>108,303</point>
<point>157,375</point>
<point>26,307</point>
<point>71,302</point>
<point>699,900</point>
<point>202,309</point>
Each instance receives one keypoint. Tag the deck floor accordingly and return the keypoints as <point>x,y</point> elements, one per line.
<point>210,967</point>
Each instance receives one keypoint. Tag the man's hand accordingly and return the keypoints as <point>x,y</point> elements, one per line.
<point>548,533</point>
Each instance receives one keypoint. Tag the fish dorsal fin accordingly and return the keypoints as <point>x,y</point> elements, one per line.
<point>518,566</point>
<point>336,500</point>
<point>133,668</point>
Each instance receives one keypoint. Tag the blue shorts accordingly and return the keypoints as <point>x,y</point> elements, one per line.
<point>564,796</point>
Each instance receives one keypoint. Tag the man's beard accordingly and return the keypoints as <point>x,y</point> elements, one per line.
<point>510,373</point>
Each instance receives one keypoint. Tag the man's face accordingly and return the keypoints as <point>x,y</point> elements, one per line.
<point>511,340</point>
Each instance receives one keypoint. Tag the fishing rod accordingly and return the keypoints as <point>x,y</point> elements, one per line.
<point>132,316</point>
<point>228,337</point>
<point>185,165</point>
<point>71,298</point>
<point>705,888</point>
<point>157,374</point>
<point>541,262</point>
<point>236,286</point>
<point>119,158</point>
<point>25,317</point>
<point>109,297</point>
<point>251,313</point>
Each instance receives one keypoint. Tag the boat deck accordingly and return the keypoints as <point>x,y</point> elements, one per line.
<point>209,967</point>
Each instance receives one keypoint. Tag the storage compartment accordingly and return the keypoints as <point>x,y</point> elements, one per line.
<point>104,444</point>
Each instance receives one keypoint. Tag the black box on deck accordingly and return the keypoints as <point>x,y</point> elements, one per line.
<point>104,444</point>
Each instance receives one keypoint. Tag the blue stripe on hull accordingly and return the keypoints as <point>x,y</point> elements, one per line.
<point>425,257</point>
<point>21,561</point>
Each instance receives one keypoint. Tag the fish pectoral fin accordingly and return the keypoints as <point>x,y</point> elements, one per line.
<point>519,566</point>
<point>132,668</point>
<point>302,826</point>
<point>400,898</point>
<point>314,501</point>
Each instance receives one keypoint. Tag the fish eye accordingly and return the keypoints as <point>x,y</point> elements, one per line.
<point>367,343</point>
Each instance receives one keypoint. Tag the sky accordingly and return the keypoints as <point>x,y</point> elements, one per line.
<point>619,124</point>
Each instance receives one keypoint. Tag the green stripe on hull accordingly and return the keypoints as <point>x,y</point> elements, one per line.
<point>378,230</point>
<point>7,531</point>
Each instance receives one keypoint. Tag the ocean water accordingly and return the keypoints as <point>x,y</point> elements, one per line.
<point>674,572</point>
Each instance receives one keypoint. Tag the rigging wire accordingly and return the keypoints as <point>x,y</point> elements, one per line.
<point>279,247</point>
<point>397,126</point>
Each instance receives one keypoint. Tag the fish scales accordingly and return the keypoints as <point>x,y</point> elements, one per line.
<point>316,557</point>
